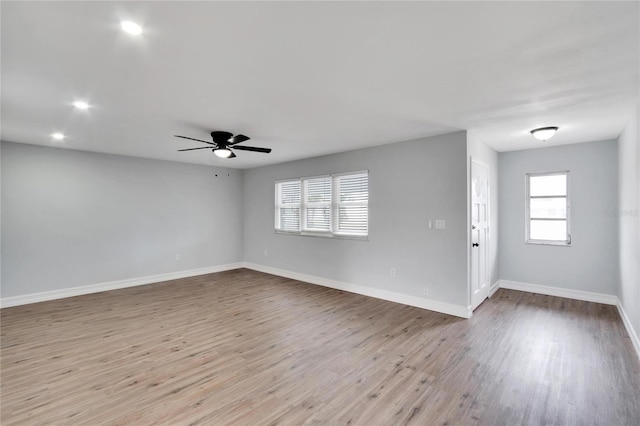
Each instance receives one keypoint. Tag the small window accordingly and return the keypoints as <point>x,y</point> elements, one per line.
<point>547,210</point>
<point>334,205</point>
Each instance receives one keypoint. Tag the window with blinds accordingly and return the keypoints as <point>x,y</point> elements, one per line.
<point>333,205</point>
<point>548,208</point>
<point>352,204</point>
<point>317,204</point>
<point>288,206</point>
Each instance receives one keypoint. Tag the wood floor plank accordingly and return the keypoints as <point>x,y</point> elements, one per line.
<point>247,348</point>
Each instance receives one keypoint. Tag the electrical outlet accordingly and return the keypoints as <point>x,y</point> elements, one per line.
<point>440,223</point>
<point>392,272</point>
<point>177,257</point>
<point>266,253</point>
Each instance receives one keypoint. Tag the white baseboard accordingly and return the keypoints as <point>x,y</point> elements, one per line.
<point>587,296</point>
<point>630,330</point>
<point>494,287</point>
<point>432,305</point>
<point>112,285</point>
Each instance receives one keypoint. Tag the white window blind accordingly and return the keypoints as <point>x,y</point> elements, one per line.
<point>352,204</point>
<point>288,206</point>
<point>548,208</point>
<point>335,205</point>
<point>317,204</point>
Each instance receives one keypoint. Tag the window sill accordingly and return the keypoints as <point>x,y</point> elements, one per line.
<point>325,235</point>
<point>548,243</point>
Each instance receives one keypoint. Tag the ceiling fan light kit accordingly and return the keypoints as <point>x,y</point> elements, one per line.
<point>222,152</point>
<point>222,144</point>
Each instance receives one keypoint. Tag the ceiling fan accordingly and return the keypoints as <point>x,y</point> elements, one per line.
<point>222,143</point>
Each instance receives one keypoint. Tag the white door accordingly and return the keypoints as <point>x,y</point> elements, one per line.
<point>479,233</point>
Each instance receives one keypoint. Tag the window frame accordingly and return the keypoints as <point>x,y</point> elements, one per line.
<point>528,218</point>
<point>333,205</point>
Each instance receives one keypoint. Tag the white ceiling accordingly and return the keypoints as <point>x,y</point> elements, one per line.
<point>308,79</point>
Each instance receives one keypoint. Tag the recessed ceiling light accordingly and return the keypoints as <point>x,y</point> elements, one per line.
<point>544,133</point>
<point>57,136</point>
<point>81,105</point>
<point>131,27</point>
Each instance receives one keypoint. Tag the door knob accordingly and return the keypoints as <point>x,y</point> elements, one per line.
<point>475,245</point>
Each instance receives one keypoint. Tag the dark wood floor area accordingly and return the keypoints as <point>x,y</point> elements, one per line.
<point>246,348</point>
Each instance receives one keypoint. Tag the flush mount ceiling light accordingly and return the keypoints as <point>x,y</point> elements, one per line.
<point>130,27</point>
<point>223,152</point>
<point>544,133</point>
<point>81,105</point>
<point>57,136</point>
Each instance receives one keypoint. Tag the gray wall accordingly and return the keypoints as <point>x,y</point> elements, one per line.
<point>72,218</point>
<point>483,153</point>
<point>409,184</point>
<point>628,212</point>
<point>591,262</point>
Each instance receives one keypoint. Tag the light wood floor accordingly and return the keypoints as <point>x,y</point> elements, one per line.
<point>246,348</point>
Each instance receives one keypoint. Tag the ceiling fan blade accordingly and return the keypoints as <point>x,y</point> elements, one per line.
<point>191,149</point>
<point>221,137</point>
<point>192,139</point>
<point>238,139</point>
<point>253,148</point>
